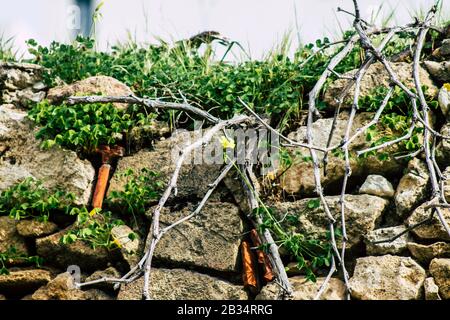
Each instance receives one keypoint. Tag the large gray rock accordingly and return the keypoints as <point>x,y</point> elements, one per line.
<point>35,229</point>
<point>444,99</point>
<point>440,270</point>
<point>425,253</point>
<point>362,213</point>
<point>209,240</point>
<point>22,157</point>
<point>412,188</point>
<point>109,272</point>
<point>21,83</point>
<point>299,178</point>
<point>194,179</point>
<point>439,70</point>
<point>375,77</point>
<point>129,247</point>
<point>60,288</point>
<point>433,230</point>
<point>21,282</point>
<point>304,289</point>
<point>377,185</point>
<point>9,237</point>
<point>431,290</point>
<point>446,180</point>
<point>443,148</point>
<point>179,284</point>
<point>98,85</point>
<point>77,253</point>
<point>387,278</point>
<point>393,247</point>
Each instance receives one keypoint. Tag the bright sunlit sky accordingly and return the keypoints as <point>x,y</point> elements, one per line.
<point>256,24</point>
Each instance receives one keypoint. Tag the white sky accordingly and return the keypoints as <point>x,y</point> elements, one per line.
<point>256,24</point>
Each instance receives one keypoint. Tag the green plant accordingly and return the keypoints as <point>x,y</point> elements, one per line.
<point>83,128</point>
<point>7,52</point>
<point>140,190</point>
<point>13,255</point>
<point>94,228</point>
<point>30,199</point>
<point>307,252</point>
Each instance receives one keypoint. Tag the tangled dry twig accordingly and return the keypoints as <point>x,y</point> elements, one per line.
<point>373,54</point>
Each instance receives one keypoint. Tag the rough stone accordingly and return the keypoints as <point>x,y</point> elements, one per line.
<point>128,248</point>
<point>21,282</point>
<point>394,247</point>
<point>439,70</point>
<point>60,288</point>
<point>446,180</point>
<point>425,253</point>
<point>77,253</point>
<point>109,272</point>
<point>377,186</point>
<point>412,188</point>
<point>194,179</point>
<point>387,278</point>
<point>362,213</point>
<point>429,231</point>
<point>440,270</point>
<point>95,294</point>
<point>431,290</point>
<point>22,157</point>
<point>304,289</point>
<point>35,229</point>
<point>9,237</point>
<point>444,99</point>
<point>299,178</point>
<point>179,284</point>
<point>375,77</point>
<point>20,83</point>
<point>209,240</point>
<point>445,47</point>
<point>443,148</point>
<point>98,85</point>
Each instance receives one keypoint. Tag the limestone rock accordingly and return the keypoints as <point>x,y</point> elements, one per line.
<point>387,278</point>
<point>446,180</point>
<point>304,289</point>
<point>445,47</point>
<point>194,179</point>
<point>129,248</point>
<point>362,213</point>
<point>209,240</point>
<point>96,294</point>
<point>394,247</point>
<point>299,178</point>
<point>375,77</point>
<point>109,272</point>
<point>22,157</point>
<point>20,83</point>
<point>60,288</point>
<point>425,253</point>
<point>179,284</point>
<point>98,85</point>
<point>77,253</point>
<point>439,70</point>
<point>9,237</point>
<point>21,282</point>
<point>440,270</point>
<point>429,231</point>
<point>444,99</point>
<point>431,290</point>
<point>412,187</point>
<point>377,186</point>
<point>35,229</point>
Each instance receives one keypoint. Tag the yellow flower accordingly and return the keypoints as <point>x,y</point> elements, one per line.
<point>93,213</point>
<point>227,143</point>
<point>271,175</point>
<point>117,243</point>
<point>447,86</point>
